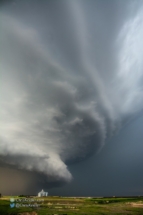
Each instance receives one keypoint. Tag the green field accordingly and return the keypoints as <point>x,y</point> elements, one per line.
<point>70,206</point>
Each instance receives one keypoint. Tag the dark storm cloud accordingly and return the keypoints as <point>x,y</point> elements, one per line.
<point>63,95</point>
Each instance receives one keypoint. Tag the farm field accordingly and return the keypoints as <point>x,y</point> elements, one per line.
<point>71,206</point>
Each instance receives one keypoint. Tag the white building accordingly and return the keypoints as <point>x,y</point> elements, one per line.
<point>42,193</point>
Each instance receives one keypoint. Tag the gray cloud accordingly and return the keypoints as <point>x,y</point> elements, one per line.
<point>58,103</point>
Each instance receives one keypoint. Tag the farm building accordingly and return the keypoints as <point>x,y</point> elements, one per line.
<point>42,193</point>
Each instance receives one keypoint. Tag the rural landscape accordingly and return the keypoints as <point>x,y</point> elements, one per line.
<point>72,205</point>
<point>71,107</point>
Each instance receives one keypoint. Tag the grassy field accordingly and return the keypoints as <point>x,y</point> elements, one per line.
<point>70,206</point>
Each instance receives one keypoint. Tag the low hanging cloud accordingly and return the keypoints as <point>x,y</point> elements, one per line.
<point>57,106</point>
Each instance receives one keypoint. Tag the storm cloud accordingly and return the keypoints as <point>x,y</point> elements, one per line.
<point>67,87</point>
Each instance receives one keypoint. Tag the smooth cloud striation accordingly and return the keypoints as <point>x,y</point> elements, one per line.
<point>57,107</point>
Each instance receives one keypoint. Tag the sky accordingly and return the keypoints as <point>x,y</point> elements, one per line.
<point>71,97</point>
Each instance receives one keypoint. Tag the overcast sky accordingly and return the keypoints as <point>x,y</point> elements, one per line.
<point>71,97</point>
